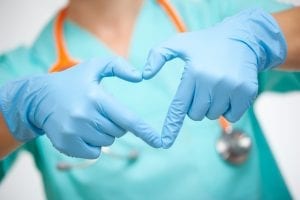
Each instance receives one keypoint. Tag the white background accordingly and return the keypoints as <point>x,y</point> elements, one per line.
<point>21,21</point>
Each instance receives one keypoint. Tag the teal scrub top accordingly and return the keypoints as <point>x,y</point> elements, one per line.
<point>191,169</point>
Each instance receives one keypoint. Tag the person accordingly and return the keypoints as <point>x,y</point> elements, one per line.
<point>191,169</point>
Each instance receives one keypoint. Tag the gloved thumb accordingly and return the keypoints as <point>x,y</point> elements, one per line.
<point>158,56</point>
<point>120,68</point>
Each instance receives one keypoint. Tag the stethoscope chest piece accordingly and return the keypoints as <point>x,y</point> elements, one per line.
<point>234,146</point>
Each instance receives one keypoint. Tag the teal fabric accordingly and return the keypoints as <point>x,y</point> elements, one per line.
<point>279,81</point>
<point>191,169</point>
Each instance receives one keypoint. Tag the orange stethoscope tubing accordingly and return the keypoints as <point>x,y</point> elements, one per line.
<point>65,61</point>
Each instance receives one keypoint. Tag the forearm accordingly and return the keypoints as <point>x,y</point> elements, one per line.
<point>289,23</point>
<point>7,142</point>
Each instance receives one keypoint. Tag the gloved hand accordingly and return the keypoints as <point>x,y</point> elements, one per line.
<point>222,62</point>
<point>72,109</point>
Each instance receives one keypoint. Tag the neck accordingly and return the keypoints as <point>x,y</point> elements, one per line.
<point>112,21</point>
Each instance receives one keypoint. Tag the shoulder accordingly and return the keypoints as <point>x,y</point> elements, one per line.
<point>10,63</point>
<point>23,61</point>
<point>17,63</point>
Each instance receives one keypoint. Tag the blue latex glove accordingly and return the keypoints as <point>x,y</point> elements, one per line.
<point>72,108</point>
<point>222,62</point>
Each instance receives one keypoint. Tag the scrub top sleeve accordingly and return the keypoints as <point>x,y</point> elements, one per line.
<point>7,72</point>
<point>279,81</point>
<point>6,164</point>
<point>19,63</point>
<point>8,161</point>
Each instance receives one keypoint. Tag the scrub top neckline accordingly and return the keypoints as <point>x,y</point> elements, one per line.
<point>82,44</point>
<point>88,37</point>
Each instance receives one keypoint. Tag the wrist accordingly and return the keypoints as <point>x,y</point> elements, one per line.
<point>15,103</point>
<point>262,34</point>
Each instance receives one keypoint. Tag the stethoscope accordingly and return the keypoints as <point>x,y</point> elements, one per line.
<point>233,145</point>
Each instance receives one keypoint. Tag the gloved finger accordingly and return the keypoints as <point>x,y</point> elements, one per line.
<point>76,147</point>
<point>219,101</point>
<point>105,125</point>
<point>96,138</point>
<point>201,101</point>
<point>88,129</point>
<point>87,151</point>
<point>120,68</point>
<point>159,55</point>
<point>178,110</point>
<point>127,120</point>
<point>241,99</point>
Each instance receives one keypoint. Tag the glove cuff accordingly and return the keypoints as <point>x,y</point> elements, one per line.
<point>14,104</point>
<point>260,31</point>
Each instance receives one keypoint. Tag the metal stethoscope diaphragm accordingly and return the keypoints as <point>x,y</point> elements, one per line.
<point>234,146</point>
